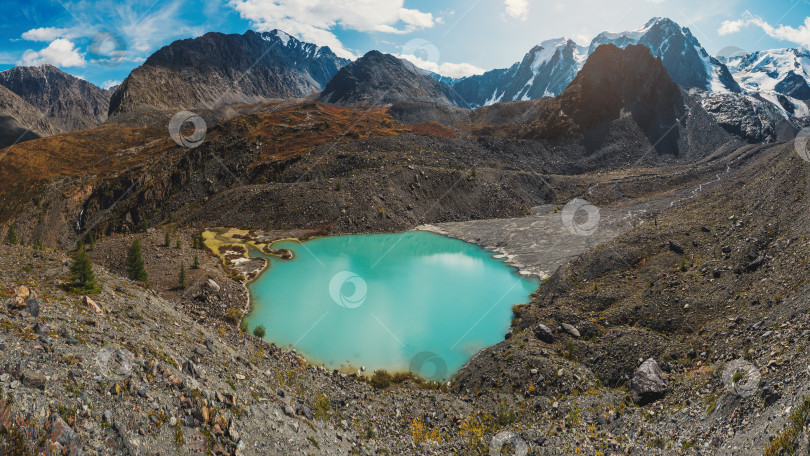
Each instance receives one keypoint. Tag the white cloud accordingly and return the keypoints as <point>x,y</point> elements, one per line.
<point>312,20</point>
<point>60,52</point>
<point>143,33</point>
<point>582,39</point>
<point>452,70</point>
<point>107,84</point>
<point>798,35</point>
<point>519,9</point>
<point>48,34</point>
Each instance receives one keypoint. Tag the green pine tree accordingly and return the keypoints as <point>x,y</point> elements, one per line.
<point>167,241</point>
<point>81,272</point>
<point>11,237</point>
<point>135,266</point>
<point>177,245</point>
<point>182,277</point>
<point>91,242</point>
<point>196,264</point>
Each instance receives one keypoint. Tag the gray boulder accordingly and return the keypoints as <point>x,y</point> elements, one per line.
<point>648,383</point>
<point>543,333</point>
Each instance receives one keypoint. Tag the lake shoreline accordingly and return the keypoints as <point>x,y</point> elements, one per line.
<point>421,253</point>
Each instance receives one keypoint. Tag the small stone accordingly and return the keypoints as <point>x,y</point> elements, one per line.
<point>570,329</point>
<point>42,328</point>
<point>64,435</point>
<point>543,333</point>
<point>107,417</point>
<point>172,421</point>
<point>213,286</point>
<point>5,417</point>
<point>675,247</point>
<point>91,304</point>
<point>22,292</point>
<point>306,412</point>
<point>233,432</point>
<point>35,380</point>
<point>191,369</point>
<point>32,307</point>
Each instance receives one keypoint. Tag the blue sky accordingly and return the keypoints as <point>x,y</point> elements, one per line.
<point>102,41</point>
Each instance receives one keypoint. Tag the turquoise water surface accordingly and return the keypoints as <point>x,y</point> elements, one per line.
<point>410,301</point>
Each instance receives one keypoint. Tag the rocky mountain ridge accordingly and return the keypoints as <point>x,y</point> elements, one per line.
<point>70,103</point>
<point>20,121</point>
<point>382,79</point>
<point>216,70</point>
<point>549,67</point>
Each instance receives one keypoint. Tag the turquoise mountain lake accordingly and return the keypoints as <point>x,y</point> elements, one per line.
<point>413,301</point>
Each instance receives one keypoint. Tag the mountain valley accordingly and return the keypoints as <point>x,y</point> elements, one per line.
<point>658,194</point>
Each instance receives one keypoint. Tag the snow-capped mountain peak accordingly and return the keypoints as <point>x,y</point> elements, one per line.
<point>687,62</point>
<point>292,43</point>
<point>784,71</point>
<point>544,52</point>
<point>548,68</point>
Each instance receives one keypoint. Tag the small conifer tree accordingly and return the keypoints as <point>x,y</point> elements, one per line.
<point>81,272</point>
<point>182,276</point>
<point>11,237</point>
<point>135,265</point>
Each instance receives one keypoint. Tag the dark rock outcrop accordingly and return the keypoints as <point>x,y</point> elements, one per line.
<point>746,117</point>
<point>648,383</point>
<point>69,103</point>
<point>19,121</point>
<point>217,69</point>
<point>543,333</point>
<point>382,79</point>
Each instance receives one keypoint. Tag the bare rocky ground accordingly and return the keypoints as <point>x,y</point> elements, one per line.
<point>712,280</point>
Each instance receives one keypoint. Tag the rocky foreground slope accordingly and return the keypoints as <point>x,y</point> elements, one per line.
<point>685,335</point>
